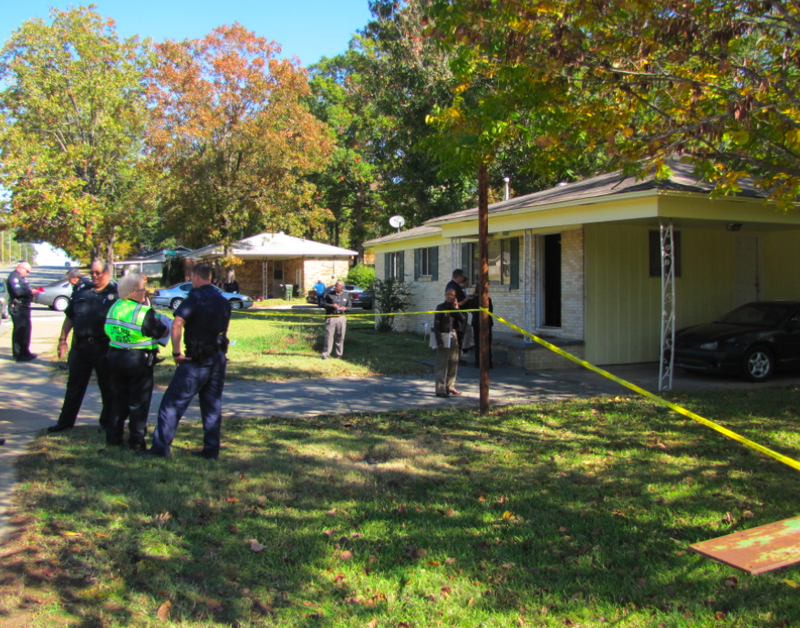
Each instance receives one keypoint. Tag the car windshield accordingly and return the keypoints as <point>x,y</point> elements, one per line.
<point>756,314</point>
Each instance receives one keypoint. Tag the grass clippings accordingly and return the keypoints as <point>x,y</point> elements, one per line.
<point>574,513</point>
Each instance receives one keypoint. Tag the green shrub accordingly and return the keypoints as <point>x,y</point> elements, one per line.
<point>361,275</point>
<point>390,296</point>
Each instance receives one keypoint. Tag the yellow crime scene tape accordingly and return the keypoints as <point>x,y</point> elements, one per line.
<point>645,393</point>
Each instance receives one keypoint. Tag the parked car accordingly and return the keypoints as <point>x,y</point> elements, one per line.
<point>55,295</point>
<point>3,300</point>
<point>172,297</point>
<point>753,341</point>
<point>361,298</point>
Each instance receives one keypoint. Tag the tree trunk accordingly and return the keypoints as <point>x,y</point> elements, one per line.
<point>483,280</point>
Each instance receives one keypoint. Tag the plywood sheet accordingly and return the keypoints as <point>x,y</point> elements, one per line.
<point>758,550</point>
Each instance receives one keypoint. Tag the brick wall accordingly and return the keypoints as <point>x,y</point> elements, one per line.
<point>249,277</point>
<point>508,303</point>
<point>326,269</point>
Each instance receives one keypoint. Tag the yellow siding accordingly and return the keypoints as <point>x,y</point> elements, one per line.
<point>781,274</point>
<point>623,303</point>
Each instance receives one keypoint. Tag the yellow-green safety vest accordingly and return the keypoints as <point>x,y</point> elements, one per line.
<point>124,326</point>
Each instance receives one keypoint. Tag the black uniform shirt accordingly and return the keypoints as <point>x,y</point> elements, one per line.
<point>152,325</point>
<point>19,288</point>
<point>335,301</point>
<point>207,314</point>
<point>88,310</point>
<point>446,319</point>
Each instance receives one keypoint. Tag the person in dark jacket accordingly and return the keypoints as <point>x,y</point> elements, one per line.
<point>133,329</point>
<point>336,304</point>
<point>21,296</point>
<point>445,322</point>
<point>85,317</point>
<point>457,284</point>
<point>204,315</point>
<point>474,303</point>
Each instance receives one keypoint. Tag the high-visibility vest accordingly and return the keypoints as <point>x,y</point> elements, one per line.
<point>124,326</point>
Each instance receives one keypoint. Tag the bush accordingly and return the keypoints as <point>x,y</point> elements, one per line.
<point>390,296</point>
<point>361,275</point>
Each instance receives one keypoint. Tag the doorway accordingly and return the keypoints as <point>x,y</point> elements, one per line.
<point>548,285</point>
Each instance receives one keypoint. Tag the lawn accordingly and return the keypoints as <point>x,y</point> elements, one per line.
<point>561,514</point>
<point>271,346</point>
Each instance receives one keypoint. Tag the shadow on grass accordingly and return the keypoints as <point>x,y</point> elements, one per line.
<point>576,512</point>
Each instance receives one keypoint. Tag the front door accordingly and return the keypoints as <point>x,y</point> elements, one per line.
<point>746,272</point>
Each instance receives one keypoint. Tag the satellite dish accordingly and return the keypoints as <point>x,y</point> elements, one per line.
<point>397,222</point>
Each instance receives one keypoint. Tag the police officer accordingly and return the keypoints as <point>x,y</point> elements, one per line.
<point>76,280</point>
<point>133,329</point>
<point>86,318</point>
<point>203,316</point>
<point>21,295</point>
<point>336,304</point>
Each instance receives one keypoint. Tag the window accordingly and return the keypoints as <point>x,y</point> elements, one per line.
<point>394,266</point>
<point>655,253</point>
<point>426,263</point>
<point>503,262</point>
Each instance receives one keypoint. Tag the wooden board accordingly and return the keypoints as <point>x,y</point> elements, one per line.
<point>759,550</point>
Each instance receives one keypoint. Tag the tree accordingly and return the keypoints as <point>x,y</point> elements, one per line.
<point>232,133</point>
<point>713,82</point>
<point>72,119</point>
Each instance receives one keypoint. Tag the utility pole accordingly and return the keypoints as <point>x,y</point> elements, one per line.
<point>483,280</point>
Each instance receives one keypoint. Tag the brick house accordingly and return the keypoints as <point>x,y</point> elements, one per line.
<point>579,264</point>
<point>271,260</point>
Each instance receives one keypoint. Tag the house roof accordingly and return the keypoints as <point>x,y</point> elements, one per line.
<point>681,179</point>
<point>273,246</point>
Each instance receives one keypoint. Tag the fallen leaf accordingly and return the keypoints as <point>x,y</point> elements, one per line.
<point>728,518</point>
<point>70,533</point>
<point>719,615</point>
<point>481,497</point>
<point>373,623</point>
<point>233,529</point>
<point>446,590</point>
<point>262,608</point>
<point>163,611</point>
<point>449,512</point>
<point>231,500</point>
<point>563,529</point>
<point>450,561</point>
<point>338,577</point>
<point>434,563</point>
<point>213,605</point>
<point>403,624</point>
<point>346,555</point>
<point>731,581</point>
<point>332,512</point>
<point>255,546</point>
<point>747,514</point>
<point>372,559</point>
<point>792,583</point>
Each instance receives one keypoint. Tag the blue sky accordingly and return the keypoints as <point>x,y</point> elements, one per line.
<point>309,29</point>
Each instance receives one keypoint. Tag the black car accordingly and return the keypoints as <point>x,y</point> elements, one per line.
<point>753,341</point>
<point>361,298</point>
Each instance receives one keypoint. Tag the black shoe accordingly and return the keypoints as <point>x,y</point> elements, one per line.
<point>2,441</point>
<point>54,429</point>
<point>27,358</point>
<point>462,362</point>
<point>202,453</point>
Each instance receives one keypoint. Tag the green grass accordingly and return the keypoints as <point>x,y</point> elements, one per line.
<point>272,347</point>
<point>562,514</point>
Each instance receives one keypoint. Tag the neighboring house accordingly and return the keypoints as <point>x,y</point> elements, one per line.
<point>579,264</point>
<point>272,260</point>
<point>150,264</point>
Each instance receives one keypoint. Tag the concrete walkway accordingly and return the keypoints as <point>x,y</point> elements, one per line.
<point>30,397</point>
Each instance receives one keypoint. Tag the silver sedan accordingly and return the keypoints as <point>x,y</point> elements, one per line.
<point>55,295</point>
<point>172,297</point>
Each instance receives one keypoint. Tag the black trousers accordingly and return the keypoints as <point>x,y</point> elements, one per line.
<point>21,336</point>
<point>83,359</point>
<point>132,387</point>
<point>476,338</point>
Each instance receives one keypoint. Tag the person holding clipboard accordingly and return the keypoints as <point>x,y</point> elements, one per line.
<point>445,323</point>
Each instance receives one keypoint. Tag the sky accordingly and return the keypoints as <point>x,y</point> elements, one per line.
<point>308,29</point>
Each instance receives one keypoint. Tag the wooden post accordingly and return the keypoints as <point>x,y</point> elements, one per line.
<point>483,280</point>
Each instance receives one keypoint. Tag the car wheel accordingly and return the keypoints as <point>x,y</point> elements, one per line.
<point>236,304</point>
<point>175,303</point>
<point>60,304</point>
<point>758,364</point>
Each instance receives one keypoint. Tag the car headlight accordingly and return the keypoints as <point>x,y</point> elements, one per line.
<point>710,346</point>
